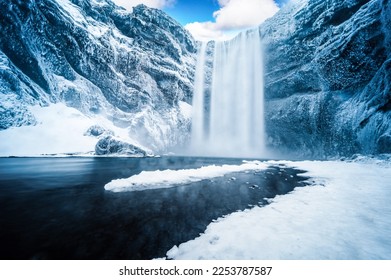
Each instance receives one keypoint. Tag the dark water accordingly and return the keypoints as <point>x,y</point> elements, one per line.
<point>57,208</point>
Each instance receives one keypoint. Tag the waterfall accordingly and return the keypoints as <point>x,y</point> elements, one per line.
<point>198,117</point>
<point>234,123</point>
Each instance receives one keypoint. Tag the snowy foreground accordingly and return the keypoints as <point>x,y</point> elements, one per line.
<point>345,214</point>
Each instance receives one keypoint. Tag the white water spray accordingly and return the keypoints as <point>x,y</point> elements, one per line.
<point>235,123</point>
<point>198,130</point>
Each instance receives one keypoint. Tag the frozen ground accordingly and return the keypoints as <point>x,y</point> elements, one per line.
<point>345,215</point>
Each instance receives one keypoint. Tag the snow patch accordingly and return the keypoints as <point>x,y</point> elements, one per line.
<point>59,130</point>
<point>185,109</point>
<point>170,178</point>
<point>73,11</point>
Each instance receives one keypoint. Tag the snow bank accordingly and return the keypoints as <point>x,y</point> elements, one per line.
<point>59,130</point>
<point>346,215</point>
<point>170,178</point>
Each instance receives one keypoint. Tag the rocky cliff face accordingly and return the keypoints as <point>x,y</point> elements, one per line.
<point>327,75</point>
<point>134,69</point>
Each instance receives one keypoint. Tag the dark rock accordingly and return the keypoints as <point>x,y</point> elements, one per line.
<point>327,77</point>
<point>384,144</point>
<point>111,146</point>
<point>97,130</point>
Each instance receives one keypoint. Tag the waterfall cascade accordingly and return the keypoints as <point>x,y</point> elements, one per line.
<point>197,129</point>
<point>231,121</point>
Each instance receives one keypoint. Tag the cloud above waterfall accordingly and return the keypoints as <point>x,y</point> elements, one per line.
<point>129,4</point>
<point>233,16</point>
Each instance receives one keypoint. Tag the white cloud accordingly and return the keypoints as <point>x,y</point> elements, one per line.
<point>205,31</point>
<point>129,4</point>
<point>233,16</point>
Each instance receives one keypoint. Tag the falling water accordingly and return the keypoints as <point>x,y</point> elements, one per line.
<point>198,130</point>
<point>235,123</point>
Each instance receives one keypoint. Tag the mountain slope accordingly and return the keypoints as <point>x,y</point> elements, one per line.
<point>134,69</point>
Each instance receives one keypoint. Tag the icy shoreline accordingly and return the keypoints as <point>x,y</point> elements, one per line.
<point>346,215</point>
<point>147,180</point>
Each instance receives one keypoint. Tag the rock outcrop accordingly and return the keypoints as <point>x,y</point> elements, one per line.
<point>111,146</point>
<point>327,77</point>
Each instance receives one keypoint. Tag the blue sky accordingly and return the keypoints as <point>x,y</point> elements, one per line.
<point>213,19</point>
<point>187,11</point>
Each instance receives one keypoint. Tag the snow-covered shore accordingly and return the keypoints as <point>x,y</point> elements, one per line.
<point>157,179</point>
<point>345,215</point>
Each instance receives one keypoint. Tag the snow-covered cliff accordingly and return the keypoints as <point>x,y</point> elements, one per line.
<point>134,70</point>
<point>328,77</point>
<point>130,76</point>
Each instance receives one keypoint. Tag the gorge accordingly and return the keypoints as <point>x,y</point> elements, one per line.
<point>122,137</point>
<point>132,74</point>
